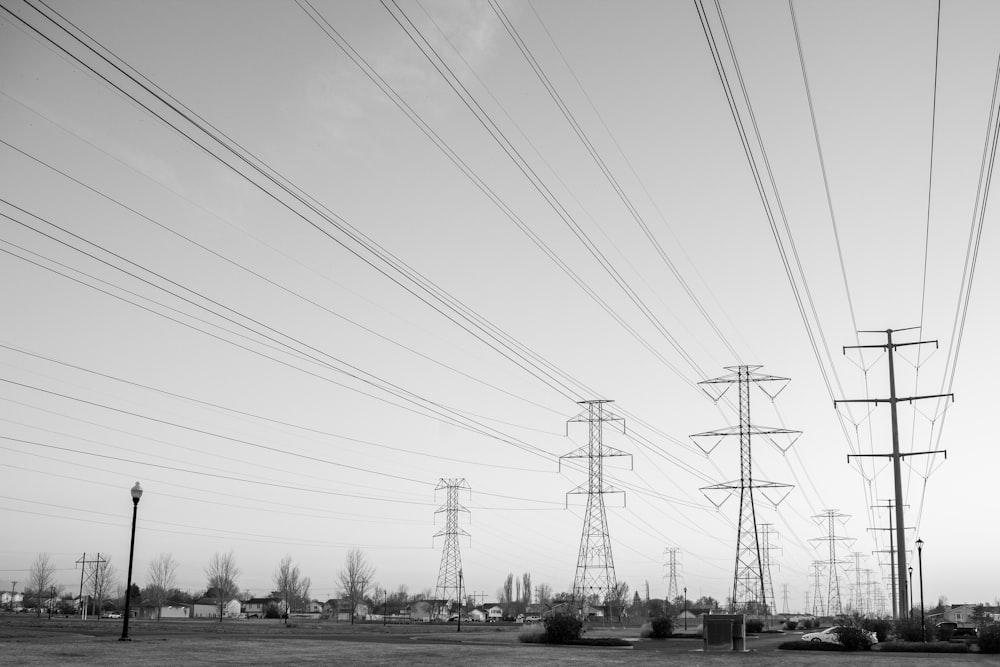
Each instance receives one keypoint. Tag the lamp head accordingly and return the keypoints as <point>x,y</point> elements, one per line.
<point>136,493</point>
<point>920,545</point>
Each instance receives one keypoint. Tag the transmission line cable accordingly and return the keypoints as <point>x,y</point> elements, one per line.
<point>609,176</point>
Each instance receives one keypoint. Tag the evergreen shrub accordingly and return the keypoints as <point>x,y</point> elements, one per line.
<point>661,627</point>
<point>562,628</point>
<point>989,638</point>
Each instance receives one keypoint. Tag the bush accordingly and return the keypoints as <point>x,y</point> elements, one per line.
<point>854,638</point>
<point>910,630</point>
<point>754,625</point>
<point>562,628</point>
<point>944,632</point>
<point>810,646</point>
<point>791,624</point>
<point>989,638</point>
<point>661,627</point>
<point>879,626</point>
<point>272,612</point>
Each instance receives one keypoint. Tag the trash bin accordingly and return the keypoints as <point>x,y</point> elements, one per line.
<point>724,632</point>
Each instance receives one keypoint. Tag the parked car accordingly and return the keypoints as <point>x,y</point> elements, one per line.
<point>830,636</point>
<point>948,629</point>
<point>112,614</point>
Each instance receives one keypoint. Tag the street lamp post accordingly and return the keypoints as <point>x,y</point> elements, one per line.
<point>910,589</point>
<point>385,604</point>
<point>920,565</point>
<point>136,494</point>
<point>685,608</point>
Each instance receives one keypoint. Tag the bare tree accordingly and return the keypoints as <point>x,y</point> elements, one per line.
<point>41,578</point>
<point>543,593</point>
<point>526,589</point>
<point>355,578</point>
<point>507,594</point>
<point>617,598</point>
<point>161,575</point>
<point>222,574</point>
<point>102,582</point>
<point>293,587</point>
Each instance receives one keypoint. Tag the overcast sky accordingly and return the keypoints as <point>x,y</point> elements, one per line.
<point>308,270</point>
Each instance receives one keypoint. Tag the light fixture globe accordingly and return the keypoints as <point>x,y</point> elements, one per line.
<point>136,492</point>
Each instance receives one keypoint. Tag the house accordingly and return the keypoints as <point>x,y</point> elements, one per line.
<point>959,613</point>
<point>963,613</point>
<point>314,607</point>
<point>494,612</point>
<point>11,600</point>
<point>422,611</point>
<point>257,607</point>
<point>340,610</point>
<point>209,608</point>
<point>175,610</point>
<point>477,615</point>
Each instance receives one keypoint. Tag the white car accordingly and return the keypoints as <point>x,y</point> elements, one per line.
<point>830,636</point>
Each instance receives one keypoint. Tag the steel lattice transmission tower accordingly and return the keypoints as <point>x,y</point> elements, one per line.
<point>448,584</point>
<point>595,565</point>
<point>749,589</point>
<point>817,605</point>
<point>766,531</point>
<point>833,602</point>
<point>672,592</point>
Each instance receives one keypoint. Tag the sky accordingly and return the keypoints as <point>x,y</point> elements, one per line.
<point>292,264</point>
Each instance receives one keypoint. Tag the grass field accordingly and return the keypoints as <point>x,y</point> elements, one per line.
<point>34,641</point>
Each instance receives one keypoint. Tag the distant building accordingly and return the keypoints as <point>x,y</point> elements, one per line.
<point>12,600</point>
<point>257,607</point>
<point>209,608</point>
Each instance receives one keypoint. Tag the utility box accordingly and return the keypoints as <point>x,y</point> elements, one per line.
<point>724,632</point>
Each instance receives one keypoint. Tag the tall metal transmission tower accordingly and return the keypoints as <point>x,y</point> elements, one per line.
<point>448,584</point>
<point>895,455</point>
<point>858,599</point>
<point>896,609</point>
<point>749,590</point>
<point>784,598</point>
<point>831,517</point>
<point>766,531</point>
<point>817,605</point>
<point>595,565</point>
<point>672,591</point>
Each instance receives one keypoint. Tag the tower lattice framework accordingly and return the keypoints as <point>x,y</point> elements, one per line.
<point>834,605</point>
<point>817,588</point>
<point>766,532</point>
<point>449,574</point>
<point>750,593</point>
<point>595,565</point>
<point>672,592</point>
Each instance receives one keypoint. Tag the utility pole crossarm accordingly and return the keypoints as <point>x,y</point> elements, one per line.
<point>905,399</point>
<point>910,399</point>
<point>901,455</point>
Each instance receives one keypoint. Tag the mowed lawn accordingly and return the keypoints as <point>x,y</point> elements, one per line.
<point>32,641</point>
